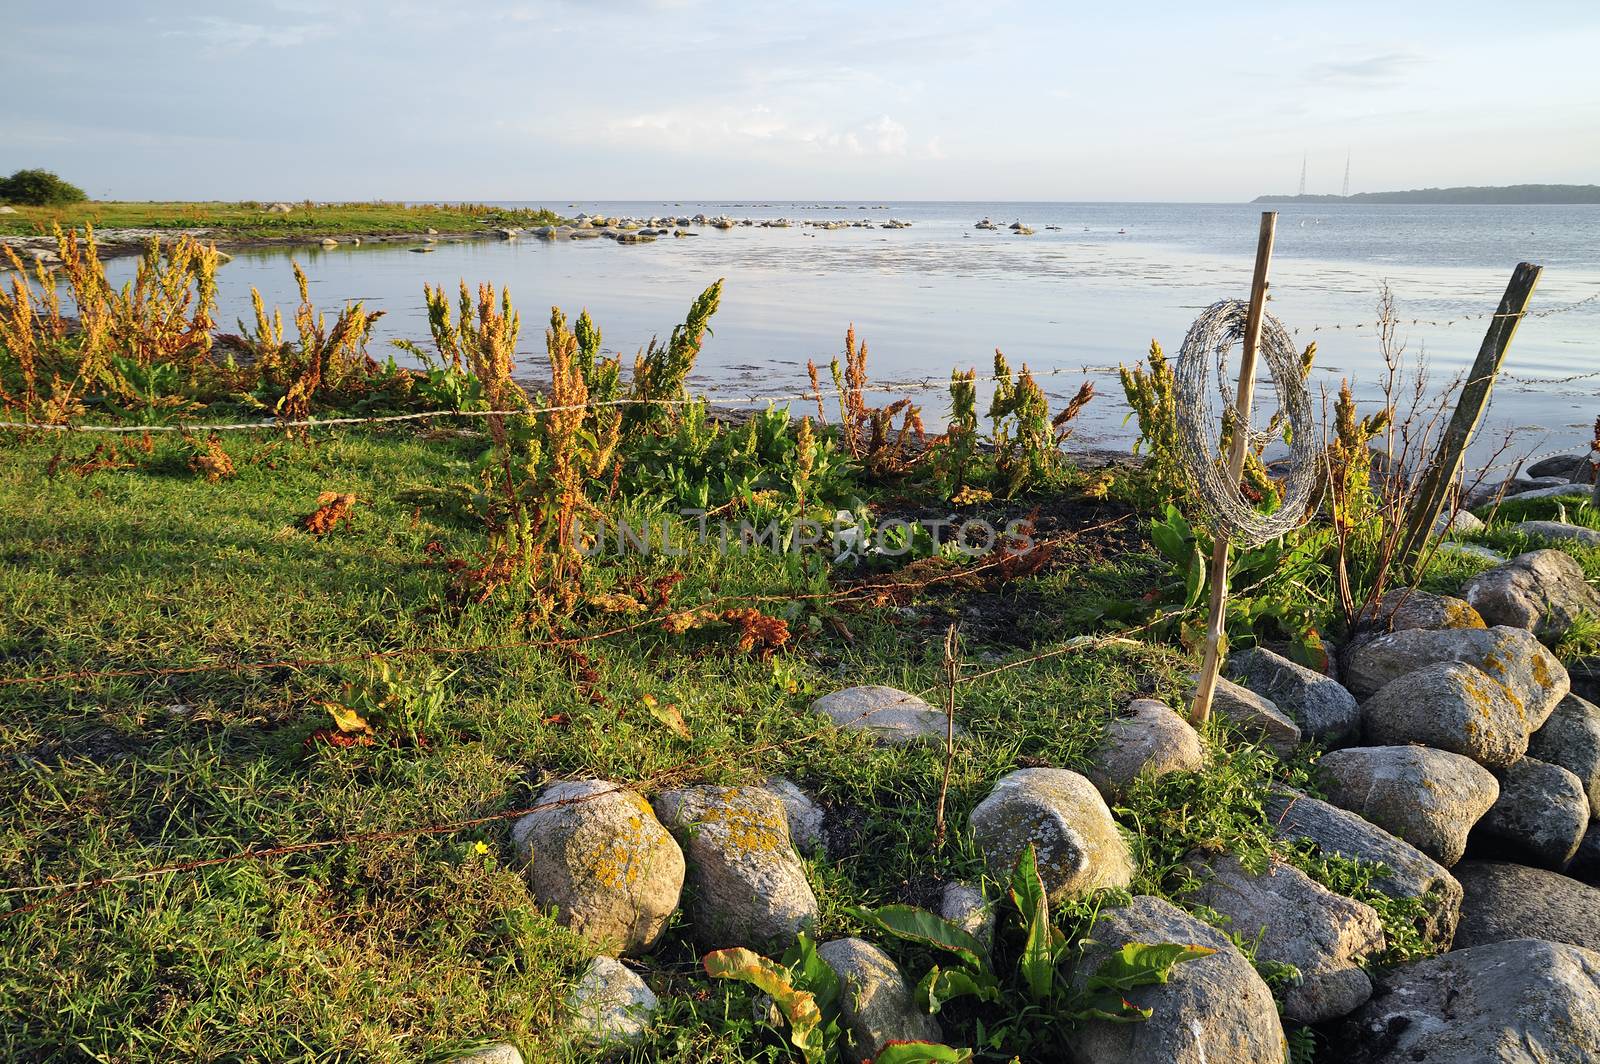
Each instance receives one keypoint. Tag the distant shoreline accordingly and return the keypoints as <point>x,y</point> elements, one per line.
<point>1499,195</point>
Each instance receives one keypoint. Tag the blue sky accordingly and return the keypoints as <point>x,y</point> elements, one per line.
<point>648,99</point>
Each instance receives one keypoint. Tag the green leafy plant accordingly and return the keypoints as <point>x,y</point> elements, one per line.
<point>802,987</point>
<point>1027,440</point>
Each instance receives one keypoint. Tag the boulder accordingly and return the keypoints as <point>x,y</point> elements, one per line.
<point>1460,523</point>
<point>963,904</point>
<point>875,1004</point>
<point>1522,1001</point>
<point>499,1053</point>
<point>1511,655</point>
<point>329,242</point>
<point>747,886</point>
<point>1548,490</point>
<point>1431,798</point>
<point>1325,711</point>
<point>1571,738</point>
<point>597,854</point>
<point>1558,532</point>
<point>1543,591</point>
<point>1539,818</point>
<point>1408,872</point>
<point>1256,717</point>
<point>1410,607</point>
<point>1585,867</point>
<point>1474,551</point>
<point>1148,739</point>
<point>1560,465</point>
<point>1210,1010</point>
<point>1452,706</point>
<point>610,1005</point>
<point>1075,841</point>
<point>805,816</point>
<point>1504,901</point>
<point>887,713</point>
<point>1297,921</point>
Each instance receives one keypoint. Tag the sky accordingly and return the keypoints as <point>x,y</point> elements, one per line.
<point>554,100</point>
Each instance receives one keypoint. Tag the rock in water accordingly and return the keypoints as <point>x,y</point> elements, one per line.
<point>747,886</point>
<point>1409,873</point>
<point>1076,842</point>
<point>1504,901</point>
<point>1325,711</point>
<point>1430,798</point>
<point>1523,1001</point>
<point>1571,739</point>
<point>892,715</point>
<point>1256,717</point>
<point>1210,1010</point>
<point>1543,591</point>
<point>610,1005</point>
<point>1539,818</point>
<point>1299,922</point>
<point>1148,739</point>
<point>875,1004</point>
<point>1452,706</point>
<point>598,855</point>
<point>1511,655</point>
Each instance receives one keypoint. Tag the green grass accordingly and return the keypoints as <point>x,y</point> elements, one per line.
<point>416,948</point>
<point>250,220</point>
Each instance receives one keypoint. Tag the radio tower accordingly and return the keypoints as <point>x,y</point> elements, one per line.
<point>1302,175</point>
<point>1345,192</point>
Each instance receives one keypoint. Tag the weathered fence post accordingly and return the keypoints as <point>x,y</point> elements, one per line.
<point>1446,466</point>
<point>1212,664</point>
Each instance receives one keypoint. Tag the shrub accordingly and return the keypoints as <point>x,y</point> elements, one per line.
<point>39,188</point>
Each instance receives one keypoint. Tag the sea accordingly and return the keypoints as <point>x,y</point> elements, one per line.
<point>1092,288</point>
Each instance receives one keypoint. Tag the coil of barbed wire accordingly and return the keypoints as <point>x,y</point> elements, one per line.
<point>1204,354</point>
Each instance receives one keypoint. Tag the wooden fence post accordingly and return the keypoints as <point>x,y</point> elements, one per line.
<point>1212,664</point>
<point>1437,479</point>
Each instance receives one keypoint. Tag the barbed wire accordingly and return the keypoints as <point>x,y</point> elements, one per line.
<point>1459,319</point>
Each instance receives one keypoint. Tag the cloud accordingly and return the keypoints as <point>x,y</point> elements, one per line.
<point>1374,71</point>
<point>230,35</point>
<point>746,128</point>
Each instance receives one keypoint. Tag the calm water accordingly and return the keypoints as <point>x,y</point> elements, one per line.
<point>1095,292</point>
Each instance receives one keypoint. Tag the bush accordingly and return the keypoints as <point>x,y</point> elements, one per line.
<point>39,188</point>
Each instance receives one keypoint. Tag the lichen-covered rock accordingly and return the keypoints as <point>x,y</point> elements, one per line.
<point>1076,842</point>
<point>1325,711</point>
<point>1211,1009</point>
<point>875,1004</point>
<point>1410,607</point>
<point>1409,873</point>
<point>747,886</point>
<point>1571,738</point>
<point>964,905</point>
<point>1452,706</point>
<point>806,817</point>
<point>1255,716</point>
<point>1522,1001</point>
<point>595,851</point>
<point>1504,901</point>
<point>1431,798</point>
<point>1539,818</point>
<point>1558,532</point>
<point>1543,591</point>
<point>1295,920</point>
<point>1148,739</point>
<point>889,714</point>
<point>609,1004</point>
<point>1511,655</point>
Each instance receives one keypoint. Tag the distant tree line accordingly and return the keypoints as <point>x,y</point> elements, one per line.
<point>38,188</point>
<point>1460,194</point>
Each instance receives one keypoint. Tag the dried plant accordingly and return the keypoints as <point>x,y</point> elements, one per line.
<point>868,432</point>
<point>208,459</point>
<point>332,508</point>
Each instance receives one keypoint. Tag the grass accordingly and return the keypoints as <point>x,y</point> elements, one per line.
<point>250,220</point>
<point>415,948</point>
